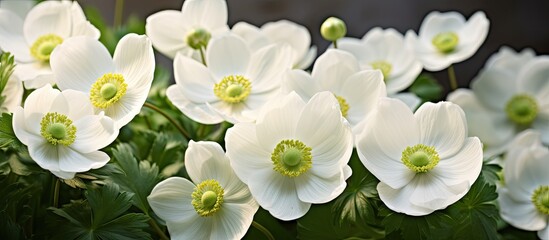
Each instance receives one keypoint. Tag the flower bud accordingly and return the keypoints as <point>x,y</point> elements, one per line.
<point>333,29</point>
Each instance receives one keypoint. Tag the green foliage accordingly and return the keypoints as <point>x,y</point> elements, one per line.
<point>101,217</point>
<point>279,229</point>
<point>475,214</point>
<point>491,173</point>
<point>136,177</point>
<point>358,203</point>
<point>427,88</point>
<point>7,66</point>
<point>412,227</point>
<point>7,136</point>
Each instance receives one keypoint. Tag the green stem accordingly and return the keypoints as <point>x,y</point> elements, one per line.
<point>161,233</point>
<point>56,193</point>
<point>118,12</point>
<point>335,44</point>
<point>452,77</point>
<point>202,56</point>
<point>170,119</point>
<point>264,230</point>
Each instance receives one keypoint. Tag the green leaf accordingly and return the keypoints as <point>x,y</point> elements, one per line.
<point>137,177</point>
<point>166,151</point>
<point>7,136</point>
<point>359,202</point>
<point>427,88</point>
<point>100,217</point>
<point>279,229</point>
<point>475,214</point>
<point>317,224</point>
<point>414,227</point>
<point>7,66</point>
<point>491,173</point>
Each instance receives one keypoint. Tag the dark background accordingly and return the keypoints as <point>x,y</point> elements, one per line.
<point>519,24</point>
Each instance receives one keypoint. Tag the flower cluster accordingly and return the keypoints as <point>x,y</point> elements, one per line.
<point>262,127</point>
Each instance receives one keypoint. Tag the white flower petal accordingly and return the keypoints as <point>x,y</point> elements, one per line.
<point>137,67</point>
<point>464,166</point>
<point>211,14</point>
<point>443,126</point>
<point>400,82</point>
<point>244,152</point>
<point>79,104</point>
<point>232,221</point>
<point>398,200</point>
<point>63,175</point>
<point>251,34</point>
<point>34,74</point>
<point>318,188</point>
<point>544,233</point>
<point>471,36</point>
<point>436,22</point>
<point>301,82</point>
<point>432,193</point>
<point>541,124</point>
<point>277,194</point>
<point>79,61</point>
<point>44,154</point>
<point>293,34</point>
<point>360,104</point>
<point>495,87</point>
<point>22,132</point>
<point>201,113</point>
<point>94,132</point>
<point>167,30</point>
<point>409,99</point>
<point>206,160</point>
<point>195,80</point>
<point>171,200</point>
<point>227,55</point>
<point>49,17</point>
<point>279,120</point>
<point>267,66</point>
<point>307,60</point>
<point>191,229</point>
<point>332,66</point>
<point>523,214</point>
<point>123,111</point>
<point>508,58</point>
<point>71,160</point>
<point>40,100</point>
<point>13,93</point>
<point>21,8</point>
<point>532,78</point>
<point>11,36</point>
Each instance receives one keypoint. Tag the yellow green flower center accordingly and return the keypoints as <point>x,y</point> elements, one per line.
<point>343,106</point>
<point>233,89</point>
<point>384,67</point>
<point>540,198</point>
<point>291,158</point>
<point>522,109</point>
<point>420,158</point>
<point>43,46</point>
<point>198,38</point>
<point>107,90</point>
<point>207,197</point>
<point>57,128</point>
<point>445,42</point>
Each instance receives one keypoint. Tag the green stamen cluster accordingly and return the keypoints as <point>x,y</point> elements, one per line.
<point>343,106</point>
<point>445,42</point>
<point>233,89</point>
<point>57,128</point>
<point>43,46</point>
<point>384,67</point>
<point>207,197</point>
<point>522,109</point>
<point>291,158</point>
<point>420,158</point>
<point>198,38</point>
<point>540,198</point>
<point>107,90</point>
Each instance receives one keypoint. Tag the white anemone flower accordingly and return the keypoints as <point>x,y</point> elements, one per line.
<point>446,38</point>
<point>505,100</point>
<point>215,205</point>
<point>524,196</point>
<point>282,31</point>
<point>12,94</point>
<point>31,42</point>
<point>117,85</point>
<point>62,131</point>
<point>233,85</point>
<point>386,51</point>
<point>294,155</point>
<point>191,28</point>
<point>20,7</point>
<point>424,161</point>
<point>356,90</point>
